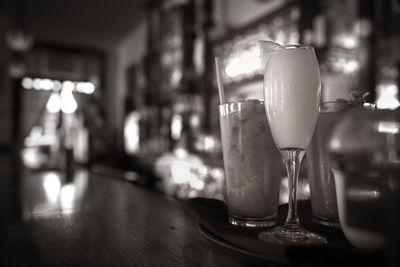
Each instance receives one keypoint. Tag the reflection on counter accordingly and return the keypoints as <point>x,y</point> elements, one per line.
<point>186,175</point>
<point>60,128</point>
<point>63,194</point>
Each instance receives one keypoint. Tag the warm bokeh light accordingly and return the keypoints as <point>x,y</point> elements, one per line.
<point>85,87</point>
<point>132,133</point>
<point>388,127</point>
<point>243,63</point>
<point>31,157</point>
<point>48,84</point>
<point>57,85</point>
<point>36,84</point>
<point>346,40</point>
<point>176,126</point>
<point>209,143</point>
<point>387,96</point>
<point>68,85</point>
<point>27,83</point>
<point>54,103</point>
<point>345,65</point>
<point>19,40</point>
<point>68,102</point>
<point>180,172</point>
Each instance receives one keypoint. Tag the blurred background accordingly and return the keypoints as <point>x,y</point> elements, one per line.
<point>129,86</point>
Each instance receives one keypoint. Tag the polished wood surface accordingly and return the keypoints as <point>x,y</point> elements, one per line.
<point>48,219</point>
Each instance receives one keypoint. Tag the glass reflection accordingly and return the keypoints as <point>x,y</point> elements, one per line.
<point>52,185</point>
<point>67,198</point>
<point>47,194</point>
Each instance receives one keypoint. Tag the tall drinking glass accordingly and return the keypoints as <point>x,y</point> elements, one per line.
<point>292,90</point>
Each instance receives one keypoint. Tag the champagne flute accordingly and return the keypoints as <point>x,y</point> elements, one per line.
<point>292,90</point>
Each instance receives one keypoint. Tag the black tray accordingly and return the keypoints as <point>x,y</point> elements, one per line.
<point>213,224</point>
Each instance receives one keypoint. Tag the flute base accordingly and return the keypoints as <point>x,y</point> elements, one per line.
<point>292,236</point>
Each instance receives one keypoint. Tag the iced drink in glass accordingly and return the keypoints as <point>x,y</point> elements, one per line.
<point>252,164</point>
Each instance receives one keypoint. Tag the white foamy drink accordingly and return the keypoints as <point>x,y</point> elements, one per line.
<point>292,95</point>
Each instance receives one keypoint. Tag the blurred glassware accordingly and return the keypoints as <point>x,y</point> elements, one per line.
<point>322,185</point>
<point>365,154</point>
<point>185,175</point>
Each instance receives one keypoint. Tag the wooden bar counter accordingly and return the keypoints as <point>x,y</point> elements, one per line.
<point>92,219</point>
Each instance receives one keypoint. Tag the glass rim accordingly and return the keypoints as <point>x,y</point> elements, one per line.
<point>286,48</point>
<point>298,46</point>
<point>242,102</point>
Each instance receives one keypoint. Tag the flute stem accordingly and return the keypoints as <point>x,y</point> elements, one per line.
<point>292,158</point>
